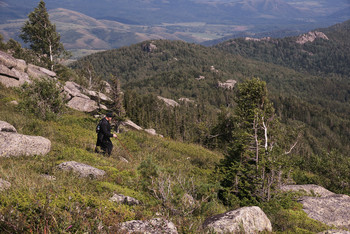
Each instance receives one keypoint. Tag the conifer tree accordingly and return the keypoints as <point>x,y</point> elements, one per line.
<point>42,36</point>
<point>253,164</point>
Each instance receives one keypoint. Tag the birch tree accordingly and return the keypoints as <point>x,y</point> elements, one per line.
<point>42,36</point>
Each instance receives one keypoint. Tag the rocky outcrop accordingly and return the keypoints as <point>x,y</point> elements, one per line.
<point>16,72</point>
<point>310,189</point>
<point>168,102</point>
<point>154,226</point>
<point>83,104</point>
<point>323,205</point>
<point>82,99</point>
<point>81,169</point>
<point>200,78</point>
<point>14,144</point>
<point>4,184</point>
<point>331,210</point>
<point>244,220</point>
<point>119,198</point>
<point>186,100</point>
<point>310,37</point>
<point>149,47</point>
<point>229,84</point>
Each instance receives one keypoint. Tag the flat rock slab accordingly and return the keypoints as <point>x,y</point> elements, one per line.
<point>331,210</point>
<point>310,189</point>
<point>4,184</point>
<point>153,226</point>
<point>83,170</point>
<point>248,219</point>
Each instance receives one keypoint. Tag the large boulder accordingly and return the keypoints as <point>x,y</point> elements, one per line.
<point>82,169</point>
<point>83,104</point>
<point>4,184</point>
<point>153,226</point>
<point>243,220</point>
<point>332,210</point>
<point>14,144</point>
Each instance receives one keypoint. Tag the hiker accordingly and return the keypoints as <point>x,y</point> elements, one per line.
<point>104,134</point>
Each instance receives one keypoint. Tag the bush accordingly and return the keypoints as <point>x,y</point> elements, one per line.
<point>42,98</point>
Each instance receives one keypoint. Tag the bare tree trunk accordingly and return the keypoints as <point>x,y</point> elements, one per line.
<point>51,57</point>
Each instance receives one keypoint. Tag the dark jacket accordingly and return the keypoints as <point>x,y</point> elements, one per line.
<point>104,134</point>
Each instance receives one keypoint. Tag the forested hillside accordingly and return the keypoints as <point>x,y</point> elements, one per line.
<point>330,55</point>
<point>173,69</point>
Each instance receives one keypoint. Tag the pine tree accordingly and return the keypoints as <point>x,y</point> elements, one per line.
<point>42,36</point>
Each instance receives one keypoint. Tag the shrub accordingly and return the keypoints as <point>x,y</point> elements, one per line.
<point>42,98</point>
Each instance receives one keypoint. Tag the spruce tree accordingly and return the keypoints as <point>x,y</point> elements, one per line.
<point>42,36</point>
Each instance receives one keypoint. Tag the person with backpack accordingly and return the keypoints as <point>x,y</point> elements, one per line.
<point>104,134</point>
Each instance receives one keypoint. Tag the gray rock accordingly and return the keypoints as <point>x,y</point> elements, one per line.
<point>246,219</point>
<point>39,72</point>
<point>153,226</point>
<point>6,127</point>
<point>21,65</point>
<point>331,210</point>
<point>82,169</point>
<point>14,102</point>
<point>310,189</point>
<point>12,77</point>
<point>152,132</point>
<point>7,60</point>
<point>4,184</point>
<point>14,144</point>
<point>74,90</point>
<point>132,125</point>
<point>168,102</point>
<point>229,84</point>
<point>82,104</point>
<point>119,198</point>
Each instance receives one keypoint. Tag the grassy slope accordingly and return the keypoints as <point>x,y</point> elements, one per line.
<point>73,138</point>
<point>72,204</point>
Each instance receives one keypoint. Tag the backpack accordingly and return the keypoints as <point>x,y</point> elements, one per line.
<point>98,127</point>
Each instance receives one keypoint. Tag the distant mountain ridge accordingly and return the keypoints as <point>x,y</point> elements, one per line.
<point>189,20</point>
